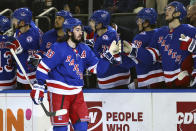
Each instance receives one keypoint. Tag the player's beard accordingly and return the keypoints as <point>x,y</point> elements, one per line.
<point>75,40</point>
<point>15,27</point>
<point>57,26</point>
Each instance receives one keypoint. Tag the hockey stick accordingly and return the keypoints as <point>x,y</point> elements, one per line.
<point>56,113</point>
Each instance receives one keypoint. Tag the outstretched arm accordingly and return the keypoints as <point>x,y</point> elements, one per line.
<point>187,43</point>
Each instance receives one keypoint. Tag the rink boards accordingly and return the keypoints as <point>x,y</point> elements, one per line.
<point>109,110</point>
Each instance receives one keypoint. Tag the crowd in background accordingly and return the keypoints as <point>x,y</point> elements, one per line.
<point>80,6</point>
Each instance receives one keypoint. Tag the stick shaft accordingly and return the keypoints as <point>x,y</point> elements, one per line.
<point>21,67</point>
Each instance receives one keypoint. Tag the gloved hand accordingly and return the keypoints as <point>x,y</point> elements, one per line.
<point>184,77</point>
<point>127,47</point>
<point>90,42</point>
<point>113,53</point>
<point>33,61</point>
<point>115,48</point>
<point>187,43</point>
<point>130,49</point>
<point>14,44</point>
<point>37,93</point>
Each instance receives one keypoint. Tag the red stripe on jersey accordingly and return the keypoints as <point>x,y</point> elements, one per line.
<point>150,76</point>
<point>23,77</point>
<point>114,79</point>
<point>171,76</point>
<point>42,67</point>
<point>8,84</point>
<point>92,70</point>
<point>60,86</point>
<point>155,53</point>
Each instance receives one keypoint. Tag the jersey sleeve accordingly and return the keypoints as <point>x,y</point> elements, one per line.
<point>191,32</point>
<point>150,54</point>
<point>127,63</point>
<point>94,65</point>
<point>54,57</point>
<point>91,60</point>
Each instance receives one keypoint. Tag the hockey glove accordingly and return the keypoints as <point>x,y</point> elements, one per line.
<point>130,49</point>
<point>115,48</point>
<point>14,44</point>
<point>187,43</point>
<point>184,77</point>
<point>33,61</point>
<point>113,53</point>
<point>90,42</point>
<point>127,47</point>
<point>37,93</point>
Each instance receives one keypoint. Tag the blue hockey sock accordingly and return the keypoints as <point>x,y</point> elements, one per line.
<point>81,126</point>
<point>60,128</point>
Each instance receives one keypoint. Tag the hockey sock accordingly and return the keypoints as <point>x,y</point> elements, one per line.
<point>81,126</point>
<point>60,128</point>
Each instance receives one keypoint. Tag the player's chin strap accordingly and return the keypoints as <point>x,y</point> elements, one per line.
<point>56,113</point>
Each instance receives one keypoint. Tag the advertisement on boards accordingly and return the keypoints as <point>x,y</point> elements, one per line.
<point>107,111</point>
<point>119,111</point>
<point>174,112</point>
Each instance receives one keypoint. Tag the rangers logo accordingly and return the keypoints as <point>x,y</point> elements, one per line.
<point>105,37</point>
<point>5,20</point>
<point>29,39</point>
<point>23,14</point>
<point>104,15</point>
<point>148,11</point>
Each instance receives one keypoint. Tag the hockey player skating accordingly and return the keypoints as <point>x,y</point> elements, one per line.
<point>62,72</point>
<point>150,76</point>
<point>29,39</point>
<point>116,76</point>
<point>177,64</point>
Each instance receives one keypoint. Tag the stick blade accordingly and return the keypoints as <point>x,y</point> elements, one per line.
<point>61,112</point>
